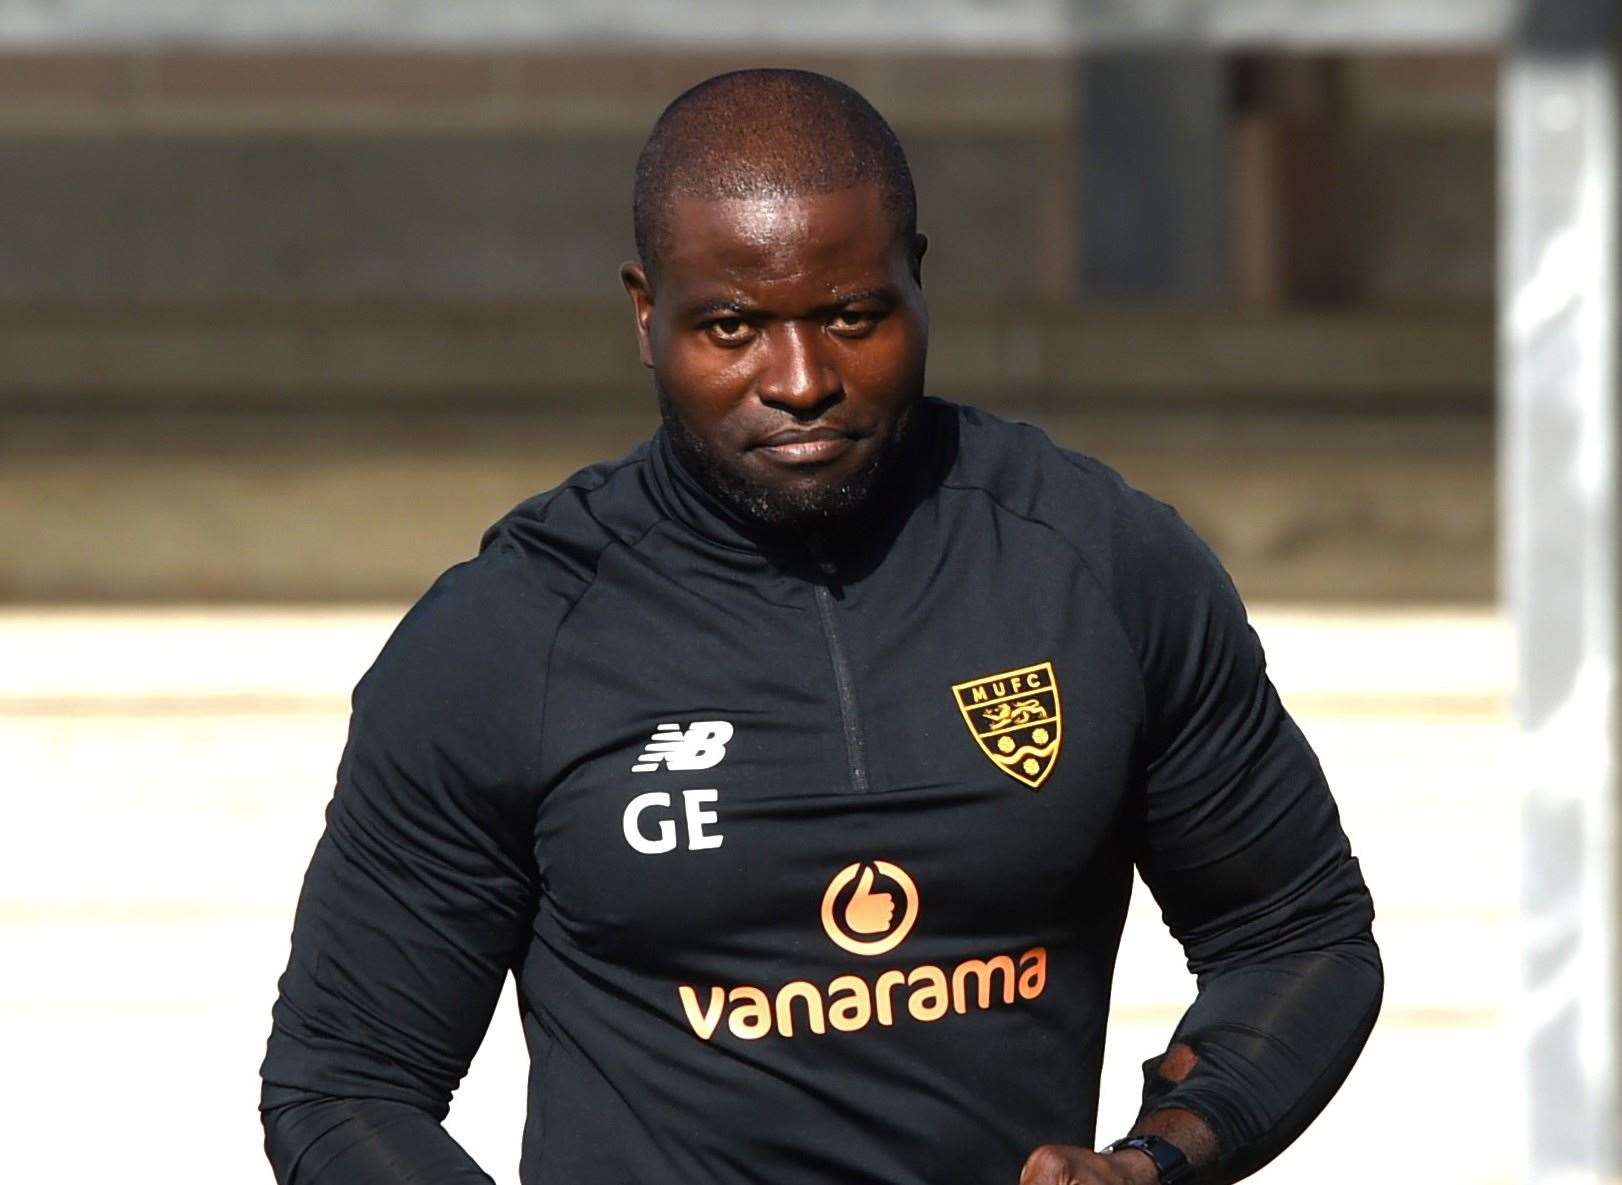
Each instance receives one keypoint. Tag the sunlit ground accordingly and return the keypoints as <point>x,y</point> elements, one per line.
<point>165,773</point>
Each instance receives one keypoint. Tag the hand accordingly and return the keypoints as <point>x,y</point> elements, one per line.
<point>869,912</point>
<point>1066,1164</point>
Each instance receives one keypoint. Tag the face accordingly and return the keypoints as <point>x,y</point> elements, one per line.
<point>787,340</point>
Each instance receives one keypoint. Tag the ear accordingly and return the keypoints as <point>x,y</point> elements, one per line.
<point>920,244</point>
<point>635,278</point>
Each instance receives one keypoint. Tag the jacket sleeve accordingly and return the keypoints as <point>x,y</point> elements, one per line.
<point>1242,848</point>
<point>417,899</point>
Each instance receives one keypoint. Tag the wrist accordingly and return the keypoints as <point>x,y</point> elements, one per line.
<point>1154,1160</point>
<point>1134,1166</point>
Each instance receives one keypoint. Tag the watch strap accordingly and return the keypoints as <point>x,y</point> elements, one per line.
<point>1170,1162</point>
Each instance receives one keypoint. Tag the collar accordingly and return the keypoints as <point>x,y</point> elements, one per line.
<point>927,454</point>
<point>684,498</point>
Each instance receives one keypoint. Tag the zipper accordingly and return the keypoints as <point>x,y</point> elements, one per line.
<point>855,746</point>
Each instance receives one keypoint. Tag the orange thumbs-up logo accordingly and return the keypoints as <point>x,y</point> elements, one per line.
<point>868,912</point>
<point>863,920</point>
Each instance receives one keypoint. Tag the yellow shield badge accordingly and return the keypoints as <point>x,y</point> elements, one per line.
<point>1016,720</point>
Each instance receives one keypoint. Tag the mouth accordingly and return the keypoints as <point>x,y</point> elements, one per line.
<point>805,446</point>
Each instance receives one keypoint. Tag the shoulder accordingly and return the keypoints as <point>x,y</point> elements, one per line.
<point>535,561</point>
<point>559,535</point>
<point>465,670</point>
<point>1124,536</point>
<point>1169,594</point>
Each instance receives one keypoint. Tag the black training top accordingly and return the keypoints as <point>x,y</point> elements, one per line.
<point>812,867</point>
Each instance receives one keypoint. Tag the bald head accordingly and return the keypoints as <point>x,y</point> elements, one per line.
<point>766,133</point>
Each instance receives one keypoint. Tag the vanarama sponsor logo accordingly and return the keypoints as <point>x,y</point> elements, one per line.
<point>859,916</point>
<point>849,1002</point>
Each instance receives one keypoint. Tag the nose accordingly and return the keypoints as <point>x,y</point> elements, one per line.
<point>796,375</point>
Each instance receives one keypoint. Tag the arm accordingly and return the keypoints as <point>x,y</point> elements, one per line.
<point>1240,842</point>
<point>417,899</point>
<point>1242,847</point>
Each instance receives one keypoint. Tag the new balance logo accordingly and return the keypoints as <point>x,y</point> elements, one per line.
<point>702,745</point>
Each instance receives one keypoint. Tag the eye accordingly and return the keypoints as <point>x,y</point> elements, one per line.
<point>729,331</point>
<point>852,322</point>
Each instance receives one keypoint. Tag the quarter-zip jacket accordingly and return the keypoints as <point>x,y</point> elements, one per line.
<point>811,864</point>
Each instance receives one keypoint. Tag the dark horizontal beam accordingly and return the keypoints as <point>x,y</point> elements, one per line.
<point>132,90</point>
<point>255,356</point>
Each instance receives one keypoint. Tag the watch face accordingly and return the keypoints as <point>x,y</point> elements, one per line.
<point>1170,1162</point>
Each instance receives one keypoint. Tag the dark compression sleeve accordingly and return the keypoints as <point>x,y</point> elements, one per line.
<point>1242,847</point>
<point>416,900</point>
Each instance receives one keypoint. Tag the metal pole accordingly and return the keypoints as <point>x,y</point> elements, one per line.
<point>1559,502</point>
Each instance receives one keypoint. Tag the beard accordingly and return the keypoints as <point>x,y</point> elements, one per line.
<point>811,507</point>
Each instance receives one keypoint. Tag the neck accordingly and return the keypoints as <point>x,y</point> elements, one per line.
<point>852,539</point>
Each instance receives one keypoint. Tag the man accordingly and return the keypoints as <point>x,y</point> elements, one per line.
<point>796,764</point>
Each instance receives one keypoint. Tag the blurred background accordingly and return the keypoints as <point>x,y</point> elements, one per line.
<point>296,298</point>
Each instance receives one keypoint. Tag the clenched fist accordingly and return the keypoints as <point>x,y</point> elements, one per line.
<point>1066,1164</point>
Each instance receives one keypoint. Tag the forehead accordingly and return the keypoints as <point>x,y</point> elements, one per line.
<point>831,237</point>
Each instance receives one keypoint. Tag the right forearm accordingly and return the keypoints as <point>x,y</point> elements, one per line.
<point>337,1141</point>
<point>1271,1043</point>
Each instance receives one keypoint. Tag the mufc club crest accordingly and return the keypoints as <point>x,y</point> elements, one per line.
<point>1015,719</point>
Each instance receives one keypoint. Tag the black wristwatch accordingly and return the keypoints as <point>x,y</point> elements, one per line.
<point>1170,1162</point>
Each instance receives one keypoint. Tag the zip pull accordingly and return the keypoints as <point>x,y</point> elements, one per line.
<point>830,576</point>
